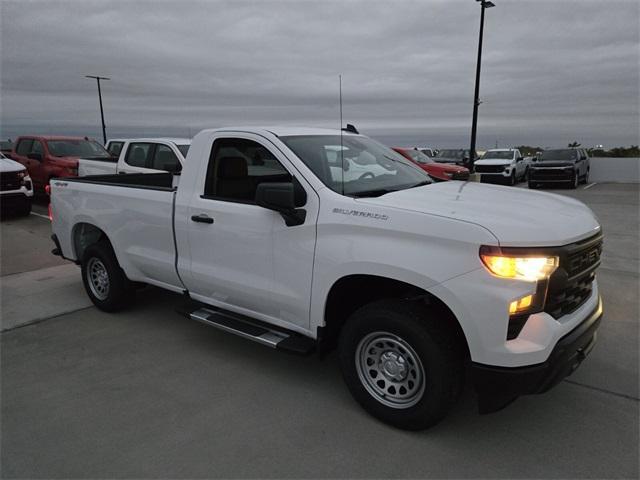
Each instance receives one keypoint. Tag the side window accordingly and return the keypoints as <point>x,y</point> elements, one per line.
<point>115,148</point>
<point>236,168</point>
<point>165,159</point>
<point>137,154</point>
<point>24,147</point>
<point>37,147</point>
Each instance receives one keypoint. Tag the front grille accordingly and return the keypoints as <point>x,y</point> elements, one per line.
<point>489,168</point>
<point>551,174</point>
<point>9,181</point>
<point>571,284</point>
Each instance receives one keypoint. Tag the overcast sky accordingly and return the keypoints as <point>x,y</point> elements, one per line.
<point>554,71</point>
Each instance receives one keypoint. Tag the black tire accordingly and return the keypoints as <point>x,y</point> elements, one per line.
<point>512,178</point>
<point>585,179</point>
<point>525,176</point>
<point>397,324</point>
<point>532,185</point>
<point>99,262</point>
<point>25,208</point>
<point>575,181</point>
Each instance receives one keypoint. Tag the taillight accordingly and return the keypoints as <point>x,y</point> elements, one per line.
<point>47,189</point>
<point>50,212</point>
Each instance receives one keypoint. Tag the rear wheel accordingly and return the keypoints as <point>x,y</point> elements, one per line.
<point>105,282</point>
<point>401,364</point>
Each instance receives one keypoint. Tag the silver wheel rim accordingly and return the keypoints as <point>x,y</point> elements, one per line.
<point>390,370</point>
<point>98,278</point>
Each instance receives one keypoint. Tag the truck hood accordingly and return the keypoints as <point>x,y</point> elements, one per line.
<point>7,165</point>
<point>515,216</point>
<point>493,161</point>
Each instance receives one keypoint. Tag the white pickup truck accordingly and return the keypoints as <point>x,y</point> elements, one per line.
<point>138,155</point>
<point>414,281</point>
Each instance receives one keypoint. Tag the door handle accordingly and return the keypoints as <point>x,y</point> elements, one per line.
<point>202,218</point>
<point>122,173</point>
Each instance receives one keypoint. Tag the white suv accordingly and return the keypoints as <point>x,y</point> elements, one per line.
<point>16,188</point>
<point>502,165</point>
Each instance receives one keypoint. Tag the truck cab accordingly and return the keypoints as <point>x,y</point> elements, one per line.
<point>139,155</point>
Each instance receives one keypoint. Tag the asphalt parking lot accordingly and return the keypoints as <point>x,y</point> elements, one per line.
<point>148,393</point>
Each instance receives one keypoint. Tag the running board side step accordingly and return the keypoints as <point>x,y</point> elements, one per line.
<point>246,328</point>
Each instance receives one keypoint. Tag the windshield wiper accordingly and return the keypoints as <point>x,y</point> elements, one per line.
<point>378,192</point>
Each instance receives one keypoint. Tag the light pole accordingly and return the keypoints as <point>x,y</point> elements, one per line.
<point>484,4</point>
<point>104,131</point>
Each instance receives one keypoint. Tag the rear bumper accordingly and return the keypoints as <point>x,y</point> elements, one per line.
<point>499,386</point>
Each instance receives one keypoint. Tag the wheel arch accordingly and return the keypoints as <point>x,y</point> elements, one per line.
<point>350,292</point>
<point>84,235</point>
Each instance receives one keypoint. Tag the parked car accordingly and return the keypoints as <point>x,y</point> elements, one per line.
<point>502,165</point>
<point>16,188</point>
<point>429,152</point>
<point>138,155</point>
<point>6,146</point>
<point>46,157</point>
<point>561,166</point>
<point>416,282</point>
<point>456,156</point>
<point>437,171</point>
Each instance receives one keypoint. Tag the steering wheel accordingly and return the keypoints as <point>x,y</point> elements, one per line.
<point>365,175</point>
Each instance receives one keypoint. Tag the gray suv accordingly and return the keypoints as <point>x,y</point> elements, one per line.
<point>568,166</point>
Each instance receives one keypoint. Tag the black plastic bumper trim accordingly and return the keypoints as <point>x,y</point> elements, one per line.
<point>497,387</point>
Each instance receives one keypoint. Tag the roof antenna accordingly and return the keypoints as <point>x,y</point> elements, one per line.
<point>341,148</point>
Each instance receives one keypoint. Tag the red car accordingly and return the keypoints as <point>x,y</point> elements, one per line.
<point>438,171</point>
<point>48,157</point>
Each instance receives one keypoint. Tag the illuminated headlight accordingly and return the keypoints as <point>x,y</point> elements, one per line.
<point>529,268</point>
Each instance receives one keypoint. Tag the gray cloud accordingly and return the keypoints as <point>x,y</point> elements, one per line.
<point>553,71</point>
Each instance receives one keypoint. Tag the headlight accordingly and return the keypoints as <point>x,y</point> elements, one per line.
<point>530,268</point>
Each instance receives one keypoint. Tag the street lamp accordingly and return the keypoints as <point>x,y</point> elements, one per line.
<point>484,4</point>
<point>104,131</point>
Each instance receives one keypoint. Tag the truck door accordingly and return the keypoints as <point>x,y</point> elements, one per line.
<point>242,256</point>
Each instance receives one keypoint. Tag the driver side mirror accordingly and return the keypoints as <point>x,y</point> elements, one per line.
<point>519,159</point>
<point>35,156</point>
<point>283,197</point>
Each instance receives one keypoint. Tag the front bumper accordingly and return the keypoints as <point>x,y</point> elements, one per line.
<point>499,386</point>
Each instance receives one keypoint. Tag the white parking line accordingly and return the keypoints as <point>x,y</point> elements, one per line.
<point>40,215</point>
<point>589,186</point>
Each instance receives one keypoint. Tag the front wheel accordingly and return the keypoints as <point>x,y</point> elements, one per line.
<point>575,180</point>
<point>512,179</point>
<point>401,364</point>
<point>105,282</point>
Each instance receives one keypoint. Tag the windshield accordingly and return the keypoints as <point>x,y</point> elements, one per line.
<point>417,156</point>
<point>498,155</point>
<point>183,149</point>
<point>366,167</point>
<point>77,148</point>
<point>450,154</point>
<point>551,155</point>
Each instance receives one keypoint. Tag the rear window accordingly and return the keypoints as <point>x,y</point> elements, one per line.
<point>114,148</point>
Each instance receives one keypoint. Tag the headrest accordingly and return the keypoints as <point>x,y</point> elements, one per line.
<point>232,168</point>
<point>138,154</point>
